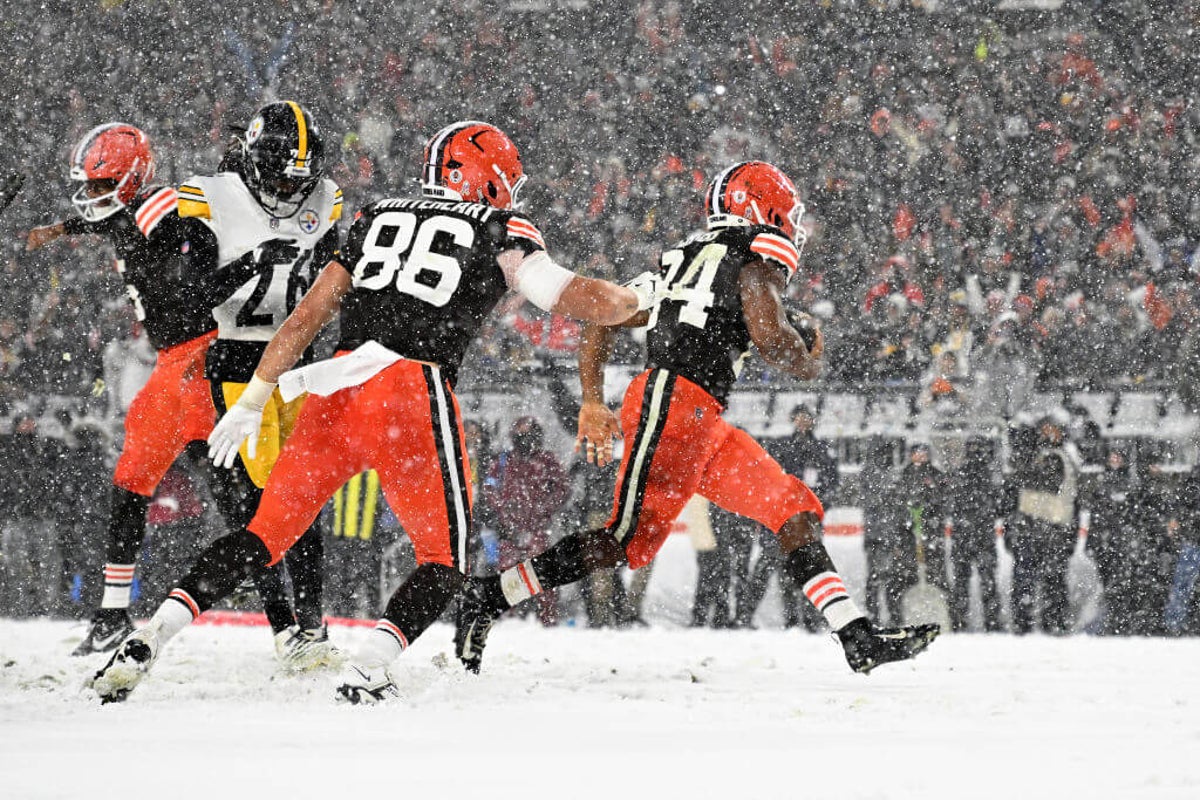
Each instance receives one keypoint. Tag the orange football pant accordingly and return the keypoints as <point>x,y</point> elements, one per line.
<point>677,445</point>
<point>172,409</point>
<point>405,424</point>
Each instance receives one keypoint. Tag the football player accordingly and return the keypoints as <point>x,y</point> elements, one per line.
<point>168,265</point>
<point>415,282</point>
<point>270,198</point>
<point>722,293</point>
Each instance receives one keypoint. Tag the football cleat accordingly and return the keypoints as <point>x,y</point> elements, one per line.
<point>867,646</point>
<point>127,666</point>
<point>304,650</point>
<point>109,627</point>
<point>472,625</point>
<point>362,684</point>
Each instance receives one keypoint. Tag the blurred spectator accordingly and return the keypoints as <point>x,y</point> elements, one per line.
<point>525,488</point>
<point>1042,531</point>
<point>1184,525</point>
<point>809,459</point>
<point>922,489</point>
<point>32,493</point>
<point>175,528</point>
<point>974,505</point>
<point>883,531</point>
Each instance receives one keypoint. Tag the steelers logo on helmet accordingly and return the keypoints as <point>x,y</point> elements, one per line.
<point>284,158</point>
<point>254,130</point>
<point>309,220</point>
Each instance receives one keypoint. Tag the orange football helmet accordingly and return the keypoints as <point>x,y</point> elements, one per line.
<point>756,193</point>
<point>473,161</point>
<point>113,152</point>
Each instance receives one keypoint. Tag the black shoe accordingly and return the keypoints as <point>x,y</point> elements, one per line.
<point>475,618</point>
<point>868,646</point>
<point>109,627</point>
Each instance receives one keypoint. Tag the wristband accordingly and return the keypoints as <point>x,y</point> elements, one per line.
<point>256,393</point>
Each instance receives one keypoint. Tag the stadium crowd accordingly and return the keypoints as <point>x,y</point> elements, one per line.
<point>997,200</point>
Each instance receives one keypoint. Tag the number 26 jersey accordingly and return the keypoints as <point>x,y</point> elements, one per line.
<point>255,308</point>
<point>426,275</point>
<point>698,329</point>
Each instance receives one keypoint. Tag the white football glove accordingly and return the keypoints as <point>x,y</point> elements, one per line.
<point>649,288</point>
<point>242,420</point>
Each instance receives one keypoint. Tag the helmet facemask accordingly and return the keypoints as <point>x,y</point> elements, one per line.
<point>272,176</point>
<point>95,207</point>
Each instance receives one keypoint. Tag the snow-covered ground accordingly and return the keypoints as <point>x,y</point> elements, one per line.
<point>575,713</point>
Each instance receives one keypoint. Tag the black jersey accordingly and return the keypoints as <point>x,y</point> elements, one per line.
<point>698,329</point>
<point>426,275</point>
<point>156,257</point>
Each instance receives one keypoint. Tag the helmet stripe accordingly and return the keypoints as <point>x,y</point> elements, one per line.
<point>302,133</point>
<point>719,186</point>
<point>439,143</point>
<point>88,140</point>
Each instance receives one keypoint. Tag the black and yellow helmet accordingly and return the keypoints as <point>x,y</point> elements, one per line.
<point>284,157</point>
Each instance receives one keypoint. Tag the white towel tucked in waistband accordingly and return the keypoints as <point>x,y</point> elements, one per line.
<point>326,377</point>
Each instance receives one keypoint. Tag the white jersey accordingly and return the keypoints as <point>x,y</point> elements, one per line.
<point>255,310</point>
<point>241,225</point>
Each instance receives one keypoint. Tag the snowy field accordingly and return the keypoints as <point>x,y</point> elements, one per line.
<point>574,713</point>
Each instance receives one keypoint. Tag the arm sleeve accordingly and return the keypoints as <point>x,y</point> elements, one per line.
<point>201,269</point>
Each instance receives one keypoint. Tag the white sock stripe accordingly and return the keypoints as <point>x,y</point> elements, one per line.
<point>517,583</point>
<point>841,613</point>
<point>525,569</point>
<point>116,595</point>
<point>186,600</point>
<point>389,627</point>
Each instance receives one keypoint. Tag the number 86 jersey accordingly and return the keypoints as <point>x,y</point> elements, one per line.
<point>698,329</point>
<point>426,275</point>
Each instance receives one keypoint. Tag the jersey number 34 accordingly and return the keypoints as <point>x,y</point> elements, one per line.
<point>694,288</point>
<point>396,250</point>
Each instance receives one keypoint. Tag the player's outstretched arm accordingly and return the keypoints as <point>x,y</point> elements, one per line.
<point>778,342</point>
<point>551,287</point>
<point>44,235</point>
<point>314,312</point>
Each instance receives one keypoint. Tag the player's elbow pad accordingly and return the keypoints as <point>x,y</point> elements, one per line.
<point>541,281</point>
